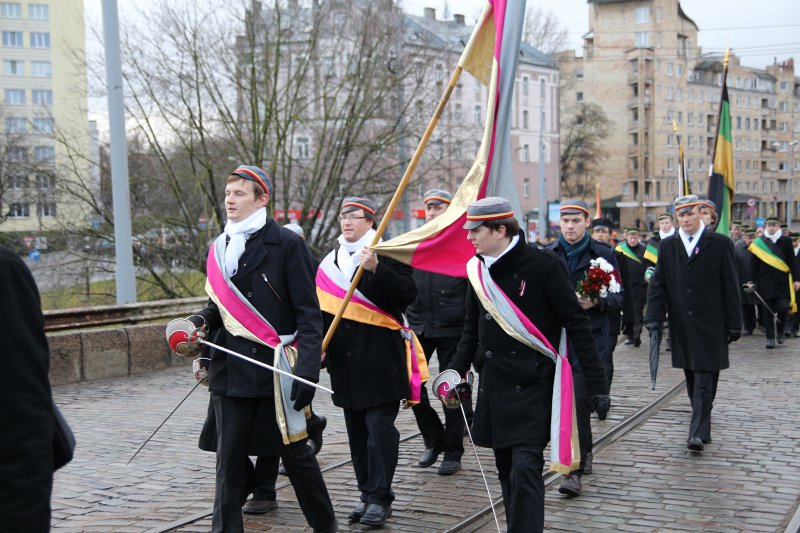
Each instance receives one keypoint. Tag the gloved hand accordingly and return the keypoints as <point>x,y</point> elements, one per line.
<point>648,274</point>
<point>464,391</point>
<point>602,403</point>
<point>748,288</point>
<point>302,394</point>
<point>200,370</point>
<point>733,335</point>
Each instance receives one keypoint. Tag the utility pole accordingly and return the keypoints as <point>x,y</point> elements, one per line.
<point>125,273</point>
<point>789,185</point>
<point>540,224</point>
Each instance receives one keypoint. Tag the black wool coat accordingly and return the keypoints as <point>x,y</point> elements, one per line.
<point>438,310</point>
<point>276,275</point>
<point>367,363</point>
<point>702,293</point>
<point>744,260</point>
<point>515,390</point>
<point>26,419</point>
<point>635,286</point>
<point>771,283</point>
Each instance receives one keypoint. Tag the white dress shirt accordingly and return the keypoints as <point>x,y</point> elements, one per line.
<point>690,241</point>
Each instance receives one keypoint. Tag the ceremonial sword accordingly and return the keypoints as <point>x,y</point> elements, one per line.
<point>475,450</point>
<point>773,313</point>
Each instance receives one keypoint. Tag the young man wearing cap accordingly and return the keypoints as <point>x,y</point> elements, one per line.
<point>774,274</point>
<point>601,232</point>
<point>744,262</point>
<point>515,394</point>
<point>631,253</point>
<point>576,249</point>
<point>261,274</point>
<point>437,316</point>
<point>696,278</point>
<point>367,357</point>
<point>708,212</point>
<point>736,231</point>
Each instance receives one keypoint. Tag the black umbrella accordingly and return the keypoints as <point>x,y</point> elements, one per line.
<point>655,340</point>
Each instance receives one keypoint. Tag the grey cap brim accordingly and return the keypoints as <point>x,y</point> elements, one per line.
<point>472,224</point>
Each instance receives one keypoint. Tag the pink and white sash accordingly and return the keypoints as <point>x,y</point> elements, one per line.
<point>241,319</point>
<point>564,449</point>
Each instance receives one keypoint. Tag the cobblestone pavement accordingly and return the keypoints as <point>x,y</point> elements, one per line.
<point>747,480</point>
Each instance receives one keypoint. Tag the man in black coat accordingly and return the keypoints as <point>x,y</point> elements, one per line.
<point>515,390</point>
<point>696,278</point>
<point>601,232</point>
<point>26,419</point>
<point>577,249</point>
<point>437,316</point>
<point>367,362</point>
<point>744,261</point>
<point>776,277</point>
<point>271,268</point>
<point>793,320</point>
<point>631,252</point>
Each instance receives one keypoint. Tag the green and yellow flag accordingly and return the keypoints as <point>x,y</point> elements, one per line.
<point>722,184</point>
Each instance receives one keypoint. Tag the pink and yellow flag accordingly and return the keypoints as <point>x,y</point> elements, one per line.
<point>491,56</point>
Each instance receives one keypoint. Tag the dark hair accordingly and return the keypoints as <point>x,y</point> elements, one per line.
<point>257,190</point>
<point>511,224</point>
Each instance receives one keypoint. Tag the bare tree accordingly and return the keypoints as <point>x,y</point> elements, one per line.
<point>543,30</point>
<point>582,149</point>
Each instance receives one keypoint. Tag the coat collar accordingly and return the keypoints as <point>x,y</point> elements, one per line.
<point>253,254</point>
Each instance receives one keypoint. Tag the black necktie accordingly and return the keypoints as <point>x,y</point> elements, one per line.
<point>691,238</point>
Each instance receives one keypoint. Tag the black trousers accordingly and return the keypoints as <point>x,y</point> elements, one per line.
<point>449,436</point>
<point>583,412</point>
<point>265,475</point>
<point>608,360</point>
<point>235,419</point>
<point>749,316</point>
<point>374,447</point>
<point>702,389</point>
<point>780,306</point>
<point>520,472</point>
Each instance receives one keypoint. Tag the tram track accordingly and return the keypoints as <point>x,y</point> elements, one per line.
<point>484,515</point>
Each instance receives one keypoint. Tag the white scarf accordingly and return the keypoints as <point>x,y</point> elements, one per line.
<point>669,233</point>
<point>347,262</point>
<point>238,233</point>
<point>687,244</point>
<point>489,260</point>
<point>773,236</point>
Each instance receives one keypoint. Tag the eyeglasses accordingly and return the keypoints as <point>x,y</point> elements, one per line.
<point>348,218</point>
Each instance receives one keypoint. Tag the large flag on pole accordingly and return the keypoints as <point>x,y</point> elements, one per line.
<point>683,179</point>
<point>721,183</point>
<point>441,245</point>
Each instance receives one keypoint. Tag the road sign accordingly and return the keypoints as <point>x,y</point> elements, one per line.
<point>759,222</point>
<point>34,255</point>
<point>28,240</point>
<point>751,202</point>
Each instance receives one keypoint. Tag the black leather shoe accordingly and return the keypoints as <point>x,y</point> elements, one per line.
<point>747,333</point>
<point>695,444</point>
<point>571,486</point>
<point>781,339</point>
<point>316,426</point>
<point>706,440</point>
<point>637,343</point>
<point>796,334</point>
<point>770,344</point>
<point>376,515</point>
<point>356,514</point>
<point>259,506</point>
<point>449,467</point>
<point>429,456</point>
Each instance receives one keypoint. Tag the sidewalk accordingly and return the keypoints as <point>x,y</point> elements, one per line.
<point>747,480</point>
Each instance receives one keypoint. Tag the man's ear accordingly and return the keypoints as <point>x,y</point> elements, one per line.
<point>263,200</point>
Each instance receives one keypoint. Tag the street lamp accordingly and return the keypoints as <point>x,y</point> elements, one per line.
<point>790,196</point>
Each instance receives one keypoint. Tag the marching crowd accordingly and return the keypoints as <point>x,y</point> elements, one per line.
<point>537,322</point>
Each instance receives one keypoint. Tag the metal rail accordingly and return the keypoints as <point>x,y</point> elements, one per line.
<point>119,315</point>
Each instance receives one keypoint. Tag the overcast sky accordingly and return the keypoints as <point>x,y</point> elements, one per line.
<point>760,31</point>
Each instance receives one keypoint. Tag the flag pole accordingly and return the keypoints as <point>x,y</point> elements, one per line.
<point>719,113</point>
<point>412,165</point>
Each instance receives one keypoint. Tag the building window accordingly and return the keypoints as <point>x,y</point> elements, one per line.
<point>689,141</point>
<point>477,115</point>
<point>542,87</point>
<point>13,67</point>
<point>19,210</point>
<point>40,39</point>
<point>18,181</point>
<point>42,97</point>
<point>579,74</point>
<point>640,39</point>
<point>45,181</point>
<point>43,126</point>
<point>669,139</point>
<point>10,10</point>
<point>302,148</point>
<point>46,209</point>
<point>642,15</point>
<point>679,70</point>
<point>459,114</point>
<point>525,81</point>
<point>526,188</point>
<point>525,120</point>
<point>12,39</point>
<point>579,96</point>
<point>526,153</point>
<point>39,11</point>
<point>670,163</point>
<point>41,69</point>
<point>670,93</point>
<point>44,153</point>
<point>784,86</point>
<point>16,125</point>
<point>670,68</point>
<point>15,96</point>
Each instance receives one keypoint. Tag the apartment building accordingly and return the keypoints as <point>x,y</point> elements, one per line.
<point>44,101</point>
<point>642,65</point>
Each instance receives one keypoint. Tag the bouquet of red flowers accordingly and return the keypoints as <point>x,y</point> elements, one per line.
<point>601,279</point>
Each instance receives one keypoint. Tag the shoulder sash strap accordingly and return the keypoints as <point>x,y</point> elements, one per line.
<point>768,252</point>
<point>625,250</point>
<point>651,253</point>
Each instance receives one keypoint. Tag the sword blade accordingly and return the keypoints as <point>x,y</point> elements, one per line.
<point>161,424</point>
<point>475,451</point>
<point>265,365</point>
